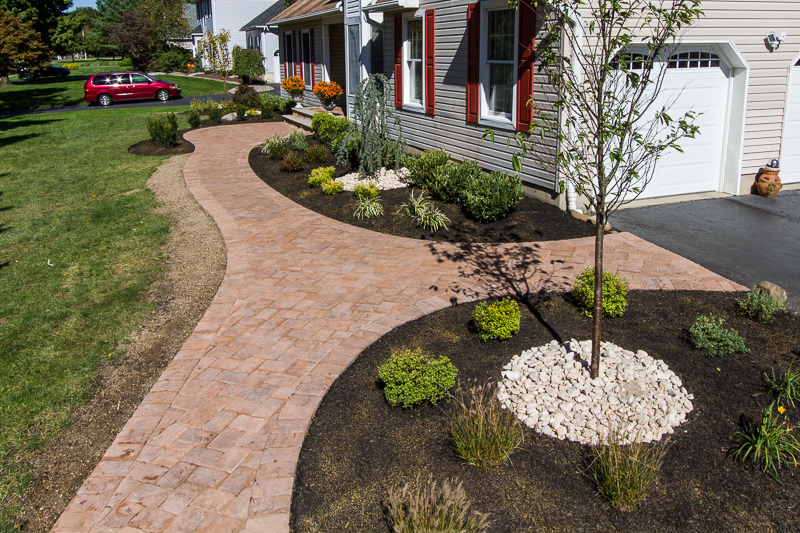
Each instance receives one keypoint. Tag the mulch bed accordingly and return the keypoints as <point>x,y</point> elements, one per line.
<point>531,221</point>
<point>358,447</point>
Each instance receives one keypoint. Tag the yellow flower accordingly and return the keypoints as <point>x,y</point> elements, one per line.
<point>781,409</point>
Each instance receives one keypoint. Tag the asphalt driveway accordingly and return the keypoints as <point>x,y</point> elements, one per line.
<point>747,239</point>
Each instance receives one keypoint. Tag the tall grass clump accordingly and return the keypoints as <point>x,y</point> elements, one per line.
<point>771,443</point>
<point>623,473</point>
<point>433,508</point>
<point>483,433</point>
<point>786,386</point>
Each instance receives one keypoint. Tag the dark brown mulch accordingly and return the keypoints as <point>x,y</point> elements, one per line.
<point>531,221</point>
<point>358,447</point>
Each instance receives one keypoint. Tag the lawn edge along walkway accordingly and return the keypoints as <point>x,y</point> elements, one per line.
<point>214,445</point>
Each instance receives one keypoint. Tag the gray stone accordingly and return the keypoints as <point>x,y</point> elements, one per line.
<point>773,290</point>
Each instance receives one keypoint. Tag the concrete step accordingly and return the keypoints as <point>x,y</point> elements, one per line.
<point>306,112</point>
<point>298,121</point>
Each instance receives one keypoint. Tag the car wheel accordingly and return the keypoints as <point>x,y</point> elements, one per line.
<point>162,94</point>
<point>59,75</point>
<point>29,77</point>
<point>104,100</point>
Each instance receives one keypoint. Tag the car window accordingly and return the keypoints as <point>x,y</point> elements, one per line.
<point>138,78</point>
<point>101,80</point>
<point>119,79</point>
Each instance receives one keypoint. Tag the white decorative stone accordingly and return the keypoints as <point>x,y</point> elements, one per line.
<point>385,179</point>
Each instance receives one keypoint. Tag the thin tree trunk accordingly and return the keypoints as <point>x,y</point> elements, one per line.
<point>597,315</point>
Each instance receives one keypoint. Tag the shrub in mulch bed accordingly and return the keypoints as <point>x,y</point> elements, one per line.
<point>358,449</point>
<point>531,221</point>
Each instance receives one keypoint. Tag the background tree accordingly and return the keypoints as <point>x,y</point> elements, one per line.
<point>247,64</point>
<point>109,13</point>
<point>69,36</point>
<point>134,36</point>
<point>20,45</point>
<point>214,50</point>
<point>613,131</point>
<point>42,14</point>
<point>168,19</point>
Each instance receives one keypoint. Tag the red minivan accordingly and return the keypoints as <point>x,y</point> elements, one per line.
<point>108,87</point>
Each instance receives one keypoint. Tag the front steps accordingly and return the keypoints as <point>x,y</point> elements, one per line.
<point>301,118</point>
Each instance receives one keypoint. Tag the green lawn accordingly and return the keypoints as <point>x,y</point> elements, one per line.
<point>79,248</point>
<point>52,92</point>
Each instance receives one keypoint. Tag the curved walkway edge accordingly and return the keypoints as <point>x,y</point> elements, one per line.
<point>214,445</point>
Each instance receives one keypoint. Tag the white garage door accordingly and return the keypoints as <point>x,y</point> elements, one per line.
<point>790,152</point>
<point>699,81</point>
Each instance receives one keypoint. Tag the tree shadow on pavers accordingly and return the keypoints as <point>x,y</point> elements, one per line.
<point>516,270</point>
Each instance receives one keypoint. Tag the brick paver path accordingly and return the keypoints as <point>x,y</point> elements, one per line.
<point>214,445</point>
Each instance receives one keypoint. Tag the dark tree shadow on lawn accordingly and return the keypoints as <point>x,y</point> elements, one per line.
<point>7,125</point>
<point>12,139</point>
<point>514,270</point>
<point>38,93</point>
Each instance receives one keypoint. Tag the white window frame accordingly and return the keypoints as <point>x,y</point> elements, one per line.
<point>409,104</point>
<point>486,118</point>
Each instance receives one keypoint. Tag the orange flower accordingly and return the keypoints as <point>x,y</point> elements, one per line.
<point>294,85</point>
<point>328,91</point>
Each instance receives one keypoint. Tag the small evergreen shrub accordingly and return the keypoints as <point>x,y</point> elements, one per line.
<point>241,111</point>
<point>492,196</point>
<point>215,112</point>
<point>709,334</point>
<point>332,187</point>
<point>327,127</point>
<point>197,105</point>
<point>431,508</point>
<point>291,163</point>
<point>321,175</point>
<point>421,168</point>
<point>163,129</point>
<point>413,377</point>
<point>368,207</point>
<point>275,148</point>
<point>623,473</point>
<point>499,320</point>
<point>297,141</point>
<point>347,146</point>
<point>266,105</point>
<point>126,63</point>
<point>483,433</point>
<point>247,96</point>
<point>173,60</point>
<point>615,289</point>
<point>771,443</point>
<point>760,306</point>
<point>366,189</point>
<point>315,154</point>
<point>193,118</point>
<point>451,181</point>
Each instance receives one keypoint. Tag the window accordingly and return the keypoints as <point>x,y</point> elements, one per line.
<point>376,50</point>
<point>203,9</point>
<point>497,72</point>
<point>307,59</point>
<point>288,53</point>
<point>412,63</point>
<point>354,57</point>
<point>139,78</point>
<point>694,60</point>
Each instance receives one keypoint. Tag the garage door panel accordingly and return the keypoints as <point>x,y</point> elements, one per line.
<point>790,151</point>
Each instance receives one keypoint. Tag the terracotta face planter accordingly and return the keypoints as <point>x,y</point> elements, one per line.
<point>768,183</point>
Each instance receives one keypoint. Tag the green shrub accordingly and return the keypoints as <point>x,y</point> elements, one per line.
<point>615,289</point>
<point>279,105</point>
<point>275,148</point>
<point>197,105</point>
<point>433,509</point>
<point>499,320</point>
<point>492,196</point>
<point>347,145</point>
<point>421,168</point>
<point>72,66</point>
<point>266,105</point>
<point>623,473</point>
<point>163,129</point>
<point>424,213</point>
<point>247,64</point>
<point>215,112</point>
<point>241,111</point>
<point>413,377</point>
<point>709,335</point>
<point>291,163</point>
<point>368,207</point>
<point>297,141</point>
<point>173,60</point>
<point>247,96</point>
<point>193,117</point>
<point>321,175</point>
<point>770,444</point>
<point>366,189</point>
<point>126,63</point>
<point>327,127</point>
<point>315,154</point>
<point>483,433</point>
<point>786,386</point>
<point>332,187</point>
<point>760,306</point>
<point>451,181</point>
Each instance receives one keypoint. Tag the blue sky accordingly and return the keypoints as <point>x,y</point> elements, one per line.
<point>83,3</point>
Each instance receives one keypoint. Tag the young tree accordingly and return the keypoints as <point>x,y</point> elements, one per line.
<point>247,64</point>
<point>20,45</point>
<point>214,50</point>
<point>608,124</point>
<point>134,36</point>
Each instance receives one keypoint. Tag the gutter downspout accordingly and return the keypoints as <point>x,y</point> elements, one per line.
<point>572,196</point>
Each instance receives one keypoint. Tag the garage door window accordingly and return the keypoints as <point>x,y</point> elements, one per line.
<point>694,60</point>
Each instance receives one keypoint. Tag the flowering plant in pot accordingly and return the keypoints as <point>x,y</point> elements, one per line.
<point>294,85</point>
<point>328,92</point>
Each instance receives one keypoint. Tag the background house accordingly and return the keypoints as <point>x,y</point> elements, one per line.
<point>458,68</point>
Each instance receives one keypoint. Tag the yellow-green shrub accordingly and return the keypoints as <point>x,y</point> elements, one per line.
<point>499,320</point>
<point>321,175</point>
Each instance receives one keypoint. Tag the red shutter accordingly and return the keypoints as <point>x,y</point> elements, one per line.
<point>398,61</point>
<point>430,62</point>
<point>297,51</point>
<point>525,53</point>
<point>311,59</point>
<point>473,60</point>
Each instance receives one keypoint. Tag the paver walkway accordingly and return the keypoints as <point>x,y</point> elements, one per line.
<point>214,445</point>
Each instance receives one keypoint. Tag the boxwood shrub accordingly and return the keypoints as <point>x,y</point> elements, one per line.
<point>615,289</point>
<point>412,377</point>
<point>499,320</point>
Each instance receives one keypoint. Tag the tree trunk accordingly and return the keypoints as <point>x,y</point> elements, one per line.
<point>597,314</point>
<point>4,81</point>
<point>225,86</point>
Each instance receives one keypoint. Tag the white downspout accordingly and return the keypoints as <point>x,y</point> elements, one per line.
<point>572,195</point>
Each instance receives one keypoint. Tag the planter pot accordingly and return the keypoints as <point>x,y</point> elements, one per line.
<point>329,106</point>
<point>298,99</point>
<point>768,182</point>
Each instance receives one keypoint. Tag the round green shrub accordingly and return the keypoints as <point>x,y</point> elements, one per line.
<point>413,377</point>
<point>499,320</point>
<point>247,96</point>
<point>615,289</point>
<point>315,154</point>
<point>321,175</point>
<point>366,190</point>
<point>709,334</point>
<point>492,196</point>
<point>760,306</point>
<point>163,129</point>
<point>331,187</point>
<point>193,117</point>
<point>291,163</point>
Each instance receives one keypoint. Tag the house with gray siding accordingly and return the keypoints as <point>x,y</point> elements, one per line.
<point>459,68</point>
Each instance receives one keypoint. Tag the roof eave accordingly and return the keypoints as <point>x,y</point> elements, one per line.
<point>391,6</point>
<point>300,18</point>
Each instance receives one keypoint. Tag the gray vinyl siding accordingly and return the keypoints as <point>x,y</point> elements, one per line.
<point>448,129</point>
<point>309,99</point>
